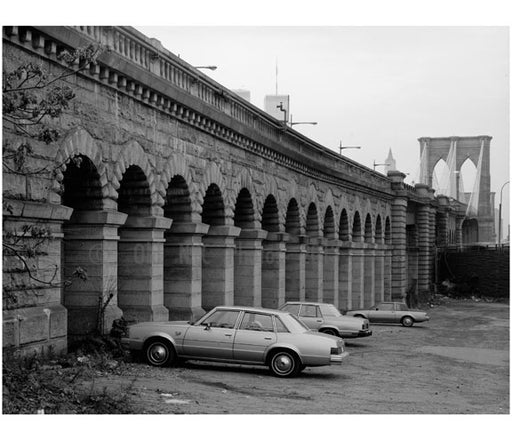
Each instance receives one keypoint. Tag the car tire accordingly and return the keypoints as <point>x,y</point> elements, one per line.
<point>330,331</point>
<point>407,321</point>
<point>284,363</point>
<point>159,353</point>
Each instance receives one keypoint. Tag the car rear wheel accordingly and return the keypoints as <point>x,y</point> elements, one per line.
<point>159,353</point>
<point>284,364</point>
<point>330,331</point>
<point>407,321</point>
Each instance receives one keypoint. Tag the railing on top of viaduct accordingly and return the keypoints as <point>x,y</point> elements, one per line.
<point>313,158</point>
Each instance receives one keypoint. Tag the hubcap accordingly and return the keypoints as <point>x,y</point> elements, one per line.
<point>283,363</point>
<point>158,353</point>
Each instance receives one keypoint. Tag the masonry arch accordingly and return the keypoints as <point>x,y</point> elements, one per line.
<point>270,215</point>
<point>440,177</point>
<point>329,226</point>
<point>470,231</point>
<point>387,231</point>
<point>87,244</point>
<point>379,236</point>
<point>356,228</point>
<point>135,252</point>
<point>368,229</point>
<point>467,179</point>
<point>312,221</point>
<point>344,232</point>
<point>293,224</point>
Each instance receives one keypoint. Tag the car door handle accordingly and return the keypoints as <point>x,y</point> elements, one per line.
<point>318,320</point>
<point>228,334</point>
<point>268,339</point>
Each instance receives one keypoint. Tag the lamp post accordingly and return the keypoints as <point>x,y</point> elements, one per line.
<point>297,123</point>
<point>499,215</point>
<point>206,67</point>
<point>357,147</point>
<point>378,164</point>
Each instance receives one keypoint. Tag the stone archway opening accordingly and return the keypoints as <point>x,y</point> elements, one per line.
<point>213,207</point>
<point>470,231</point>
<point>270,215</point>
<point>379,237</point>
<point>368,229</point>
<point>140,247</point>
<point>89,243</point>
<point>248,252</point>
<point>329,227</point>
<point>387,232</point>
<point>314,256</point>
<point>356,228</point>
<point>295,267</point>
<point>344,232</point>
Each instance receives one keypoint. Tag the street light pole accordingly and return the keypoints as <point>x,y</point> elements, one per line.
<point>298,123</point>
<point>499,215</point>
<point>206,67</point>
<point>357,147</point>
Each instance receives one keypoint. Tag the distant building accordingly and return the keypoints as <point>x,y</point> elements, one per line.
<point>278,106</point>
<point>246,94</point>
<point>390,163</point>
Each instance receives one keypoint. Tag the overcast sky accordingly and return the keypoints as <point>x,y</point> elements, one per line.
<point>378,87</point>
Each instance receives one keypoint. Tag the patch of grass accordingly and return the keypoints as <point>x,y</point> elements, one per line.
<point>52,384</point>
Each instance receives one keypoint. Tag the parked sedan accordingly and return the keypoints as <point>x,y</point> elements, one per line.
<point>242,335</point>
<point>326,318</point>
<point>391,312</point>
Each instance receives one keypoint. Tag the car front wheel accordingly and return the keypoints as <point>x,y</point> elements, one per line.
<point>330,331</point>
<point>284,364</point>
<point>159,353</point>
<point>407,321</point>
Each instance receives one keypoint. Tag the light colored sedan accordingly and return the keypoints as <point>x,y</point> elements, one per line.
<point>391,312</point>
<point>326,318</point>
<point>242,335</point>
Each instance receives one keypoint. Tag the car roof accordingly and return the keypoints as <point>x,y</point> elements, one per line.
<point>252,309</point>
<point>308,303</point>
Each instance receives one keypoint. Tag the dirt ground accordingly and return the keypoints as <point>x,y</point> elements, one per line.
<point>457,363</point>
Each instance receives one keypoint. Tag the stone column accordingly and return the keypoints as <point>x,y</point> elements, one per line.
<point>273,270</point>
<point>369,275</point>
<point>248,251</point>
<point>345,277</point>
<point>183,272</point>
<point>331,271</point>
<point>34,323</point>
<point>459,219</point>
<point>358,269</point>
<point>398,232</point>
<point>379,274</point>
<point>314,269</point>
<point>218,266</point>
<point>388,258</point>
<point>442,222</point>
<point>295,286</point>
<point>423,229</point>
<point>141,268</point>
<point>432,239</point>
<point>90,241</point>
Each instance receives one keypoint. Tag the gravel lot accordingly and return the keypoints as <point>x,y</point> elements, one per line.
<point>457,363</point>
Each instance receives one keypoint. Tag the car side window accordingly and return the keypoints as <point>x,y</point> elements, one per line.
<point>292,308</point>
<point>257,322</point>
<point>280,327</point>
<point>401,307</point>
<point>308,311</point>
<point>386,307</point>
<point>222,319</point>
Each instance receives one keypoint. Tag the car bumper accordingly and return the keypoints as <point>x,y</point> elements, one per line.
<point>338,358</point>
<point>359,334</point>
<point>131,344</point>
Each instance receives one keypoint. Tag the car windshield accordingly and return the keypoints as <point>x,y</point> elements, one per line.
<point>330,310</point>
<point>294,324</point>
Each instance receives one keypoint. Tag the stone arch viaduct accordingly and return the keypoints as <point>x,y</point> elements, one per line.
<point>176,195</point>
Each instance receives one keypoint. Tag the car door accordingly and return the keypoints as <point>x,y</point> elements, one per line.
<point>311,316</point>
<point>254,334</point>
<point>384,312</point>
<point>213,338</point>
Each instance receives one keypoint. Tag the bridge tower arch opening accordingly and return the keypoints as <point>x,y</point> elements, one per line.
<point>455,151</point>
<point>470,231</point>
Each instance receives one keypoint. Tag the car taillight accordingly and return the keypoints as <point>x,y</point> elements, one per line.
<point>336,350</point>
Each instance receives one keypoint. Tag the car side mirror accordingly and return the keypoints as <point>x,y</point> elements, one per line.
<point>207,326</point>
<point>376,308</point>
